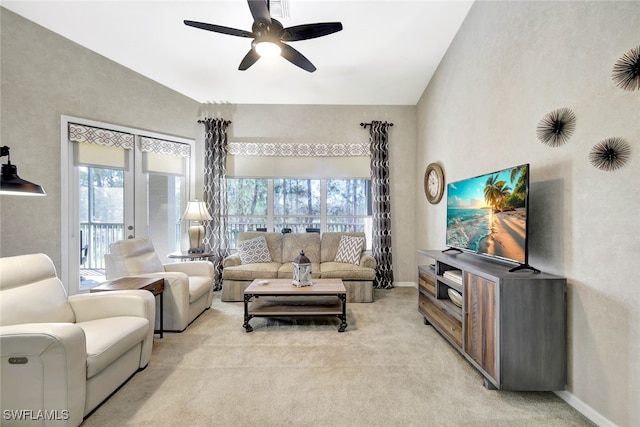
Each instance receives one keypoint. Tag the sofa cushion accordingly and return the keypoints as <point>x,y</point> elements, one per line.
<point>254,251</point>
<point>286,271</point>
<point>340,270</point>
<point>274,242</point>
<point>350,249</point>
<point>107,339</point>
<point>263,270</point>
<point>293,243</point>
<point>331,241</point>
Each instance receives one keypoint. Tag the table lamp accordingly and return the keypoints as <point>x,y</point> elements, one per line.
<point>196,211</point>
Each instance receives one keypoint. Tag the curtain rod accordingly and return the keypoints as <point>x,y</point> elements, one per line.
<point>365,125</point>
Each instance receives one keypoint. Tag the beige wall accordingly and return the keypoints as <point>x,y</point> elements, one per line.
<point>45,76</point>
<point>510,64</point>
<point>334,124</point>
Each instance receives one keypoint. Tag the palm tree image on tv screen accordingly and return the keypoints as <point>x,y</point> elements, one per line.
<point>488,214</point>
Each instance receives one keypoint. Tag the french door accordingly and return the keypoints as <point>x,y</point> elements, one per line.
<point>138,194</point>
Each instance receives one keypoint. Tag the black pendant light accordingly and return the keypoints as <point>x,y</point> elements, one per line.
<point>12,184</point>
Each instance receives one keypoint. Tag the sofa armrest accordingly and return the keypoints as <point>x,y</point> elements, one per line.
<point>54,375</point>
<point>101,305</point>
<point>231,261</point>
<point>368,261</point>
<point>192,268</point>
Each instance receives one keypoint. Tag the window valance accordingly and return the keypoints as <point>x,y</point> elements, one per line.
<point>287,149</point>
<point>99,136</point>
<point>161,146</point>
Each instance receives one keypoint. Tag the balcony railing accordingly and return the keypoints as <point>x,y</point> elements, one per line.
<point>237,225</point>
<point>98,237</point>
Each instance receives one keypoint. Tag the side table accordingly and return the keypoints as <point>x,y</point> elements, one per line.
<point>189,256</point>
<point>155,285</point>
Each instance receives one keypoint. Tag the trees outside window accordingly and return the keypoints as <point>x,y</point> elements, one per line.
<point>297,204</point>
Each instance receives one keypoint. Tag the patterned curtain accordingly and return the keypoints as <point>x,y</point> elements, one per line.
<point>381,199</point>
<point>216,239</point>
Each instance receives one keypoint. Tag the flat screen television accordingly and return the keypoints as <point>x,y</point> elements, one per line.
<point>488,215</point>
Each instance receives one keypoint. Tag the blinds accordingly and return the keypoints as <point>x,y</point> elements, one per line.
<point>162,156</point>
<point>298,160</point>
<point>298,167</point>
<point>100,147</point>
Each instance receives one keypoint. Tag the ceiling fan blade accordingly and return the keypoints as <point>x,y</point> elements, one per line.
<point>296,58</point>
<point>260,10</point>
<point>310,31</point>
<point>219,29</point>
<point>249,59</point>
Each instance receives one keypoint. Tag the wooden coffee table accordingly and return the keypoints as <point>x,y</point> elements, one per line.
<point>281,298</point>
<point>155,285</point>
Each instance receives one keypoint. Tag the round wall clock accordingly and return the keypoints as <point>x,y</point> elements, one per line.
<point>433,183</point>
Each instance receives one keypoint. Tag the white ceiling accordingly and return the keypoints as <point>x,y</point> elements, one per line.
<point>385,55</point>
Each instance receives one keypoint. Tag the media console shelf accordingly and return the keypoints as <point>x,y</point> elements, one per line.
<point>512,326</point>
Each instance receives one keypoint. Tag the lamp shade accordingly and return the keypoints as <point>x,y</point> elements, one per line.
<point>196,211</point>
<point>12,184</point>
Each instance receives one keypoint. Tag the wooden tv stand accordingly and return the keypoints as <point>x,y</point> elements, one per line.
<point>512,326</point>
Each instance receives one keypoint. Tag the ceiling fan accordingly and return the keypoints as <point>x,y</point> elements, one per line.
<point>269,36</point>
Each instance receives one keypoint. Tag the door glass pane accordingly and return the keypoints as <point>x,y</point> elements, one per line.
<point>165,194</point>
<point>101,219</point>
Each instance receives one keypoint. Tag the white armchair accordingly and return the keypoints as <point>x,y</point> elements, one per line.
<point>188,286</point>
<point>64,355</point>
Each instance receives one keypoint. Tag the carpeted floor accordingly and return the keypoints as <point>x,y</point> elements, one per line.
<point>386,369</point>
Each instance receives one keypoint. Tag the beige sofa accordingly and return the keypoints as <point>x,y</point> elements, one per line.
<point>63,356</point>
<point>188,286</point>
<point>284,248</point>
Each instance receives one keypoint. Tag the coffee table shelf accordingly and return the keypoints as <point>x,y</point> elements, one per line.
<point>280,298</point>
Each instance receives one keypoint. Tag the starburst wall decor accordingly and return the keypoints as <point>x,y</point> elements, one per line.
<point>556,127</point>
<point>610,154</point>
<point>626,70</point>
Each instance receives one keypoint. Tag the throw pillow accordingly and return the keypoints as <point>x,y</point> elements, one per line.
<point>350,249</point>
<point>254,250</point>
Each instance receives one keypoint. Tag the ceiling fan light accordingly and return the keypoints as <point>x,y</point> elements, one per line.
<point>267,49</point>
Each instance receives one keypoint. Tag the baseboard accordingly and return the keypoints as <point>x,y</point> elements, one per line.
<point>586,410</point>
<point>405,284</point>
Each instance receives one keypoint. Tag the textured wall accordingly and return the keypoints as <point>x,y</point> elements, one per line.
<point>510,64</point>
<point>333,124</point>
<point>43,77</point>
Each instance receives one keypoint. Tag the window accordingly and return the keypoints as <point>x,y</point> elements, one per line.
<point>298,204</point>
<point>349,205</point>
<point>247,205</point>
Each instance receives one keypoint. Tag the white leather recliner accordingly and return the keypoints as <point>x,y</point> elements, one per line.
<point>62,356</point>
<point>188,286</point>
